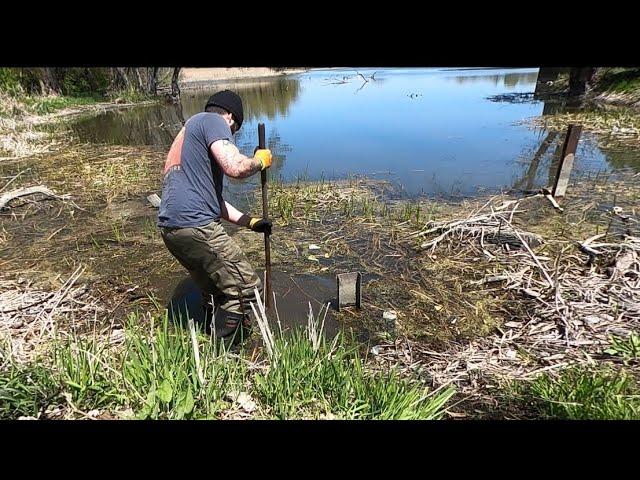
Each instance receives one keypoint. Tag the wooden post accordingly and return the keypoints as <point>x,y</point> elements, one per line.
<point>566,160</point>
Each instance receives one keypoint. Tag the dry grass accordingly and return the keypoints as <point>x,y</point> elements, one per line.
<point>620,124</point>
<point>31,315</point>
<point>486,291</point>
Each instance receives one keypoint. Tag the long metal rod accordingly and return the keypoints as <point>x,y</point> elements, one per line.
<point>265,215</point>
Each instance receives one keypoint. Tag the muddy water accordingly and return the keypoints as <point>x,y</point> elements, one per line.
<point>293,294</point>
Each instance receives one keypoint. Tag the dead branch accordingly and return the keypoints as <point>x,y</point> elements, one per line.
<point>24,191</point>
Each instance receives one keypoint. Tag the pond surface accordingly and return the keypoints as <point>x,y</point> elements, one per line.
<point>432,131</point>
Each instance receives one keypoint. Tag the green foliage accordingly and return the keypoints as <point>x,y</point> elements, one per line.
<point>619,80</point>
<point>25,390</point>
<point>83,82</point>
<point>163,372</point>
<point>331,379</point>
<point>157,374</point>
<point>130,95</point>
<point>10,81</point>
<point>44,105</point>
<point>628,349</point>
<point>84,371</point>
<point>582,393</point>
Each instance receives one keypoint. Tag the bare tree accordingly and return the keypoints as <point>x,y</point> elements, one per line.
<point>153,80</point>
<point>175,89</point>
<point>138,78</point>
<point>49,81</point>
<point>579,79</point>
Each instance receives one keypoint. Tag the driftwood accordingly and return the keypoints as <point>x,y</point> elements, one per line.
<point>572,311</point>
<point>493,227</point>
<point>549,197</point>
<point>22,192</point>
<point>28,314</point>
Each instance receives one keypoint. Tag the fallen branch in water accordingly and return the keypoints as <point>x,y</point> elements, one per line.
<point>24,191</point>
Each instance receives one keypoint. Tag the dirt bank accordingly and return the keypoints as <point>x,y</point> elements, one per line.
<point>195,77</point>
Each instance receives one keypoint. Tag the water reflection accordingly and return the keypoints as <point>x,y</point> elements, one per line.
<point>509,80</point>
<point>157,125</point>
<point>266,98</point>
<point>431,130</point>
<point>590,148</point>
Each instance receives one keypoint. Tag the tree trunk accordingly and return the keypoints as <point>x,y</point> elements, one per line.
<point>49,81</point>
<point>124,79</point>
<point>153,80</point>
<point>175,89</point>
<point>579,79</point>
<point>139,79</point>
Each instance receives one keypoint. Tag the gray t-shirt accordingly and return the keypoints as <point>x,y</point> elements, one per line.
<point>192,186</point>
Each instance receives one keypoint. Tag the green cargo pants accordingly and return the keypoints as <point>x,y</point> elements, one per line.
<point>217,266</point>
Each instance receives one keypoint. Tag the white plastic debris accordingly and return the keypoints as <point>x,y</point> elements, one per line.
<point>389,315</point>
<point>313,246</point>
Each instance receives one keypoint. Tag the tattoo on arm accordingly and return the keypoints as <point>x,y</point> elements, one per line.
<point>232,162</point>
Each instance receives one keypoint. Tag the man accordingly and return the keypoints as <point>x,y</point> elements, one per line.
<point>192,206</point>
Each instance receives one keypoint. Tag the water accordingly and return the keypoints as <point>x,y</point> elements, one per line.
<point>432,131</point>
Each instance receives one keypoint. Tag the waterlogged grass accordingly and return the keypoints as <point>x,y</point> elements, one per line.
<point>353,199</point>
<point>155,374</point>
<point>584,393</point>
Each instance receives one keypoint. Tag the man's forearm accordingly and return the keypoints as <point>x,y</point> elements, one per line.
<point>237,165</point>
<point>232,214</point>
<point>243,166</point>
<point>234,163</point>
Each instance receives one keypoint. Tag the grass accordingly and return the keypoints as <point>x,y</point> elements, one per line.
<point>156,374</point>
<point>25,390</point>
<point>582,393</point>
<point>331,380</point>
<point>150,228</point>
<point>619,80</point>
<point>131,95</point>
<point>43,105</point>
<point>627,348</point>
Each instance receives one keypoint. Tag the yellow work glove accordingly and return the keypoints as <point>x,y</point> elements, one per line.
<point>264,156</point>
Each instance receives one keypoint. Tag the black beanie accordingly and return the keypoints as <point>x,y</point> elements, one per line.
<point>230,101</point>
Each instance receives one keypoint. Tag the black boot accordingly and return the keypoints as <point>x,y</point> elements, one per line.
<point>231,328</point>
